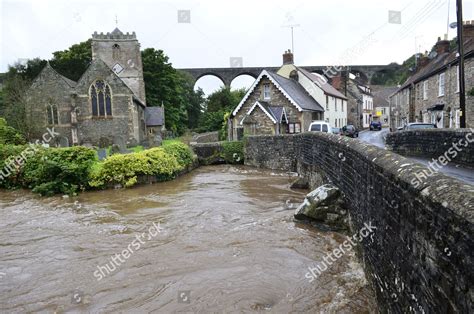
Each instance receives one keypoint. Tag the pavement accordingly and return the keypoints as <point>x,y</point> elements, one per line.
<point>377,138</point>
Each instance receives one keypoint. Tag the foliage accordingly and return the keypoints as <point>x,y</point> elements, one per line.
<point>73,62</point>
<point>59,170</point>
<point>125,169</point>
<point>9,135</point>
<point>180,151</point>
<point>165,85</point>
<point>10,175</point>
<point>224,129</point>
<point>233,152</point>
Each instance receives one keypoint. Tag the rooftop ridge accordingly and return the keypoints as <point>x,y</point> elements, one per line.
<point>114,35</point>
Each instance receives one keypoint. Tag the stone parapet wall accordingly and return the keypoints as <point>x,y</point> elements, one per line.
<point>421,255</point>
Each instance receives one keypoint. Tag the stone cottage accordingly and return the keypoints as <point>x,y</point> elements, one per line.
<point>431,94</point>
<point>286,102</point>
<point>106,105</point>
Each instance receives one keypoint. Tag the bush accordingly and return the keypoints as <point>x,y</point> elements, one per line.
<point>10,170</point>
<point>59,170</point>
<point>125,169</point>
<point>9,135</point>
<point>180,151</point>
<point>233,152</point>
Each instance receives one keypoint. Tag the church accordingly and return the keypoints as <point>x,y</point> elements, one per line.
<point>106,105</point>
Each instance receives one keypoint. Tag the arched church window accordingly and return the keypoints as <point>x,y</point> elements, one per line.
<point>116,52</point>
<point>101,99</point>
<point>52,113</point>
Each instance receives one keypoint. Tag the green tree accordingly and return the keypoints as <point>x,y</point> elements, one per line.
<point>73,62</point>
<point>164,84</point>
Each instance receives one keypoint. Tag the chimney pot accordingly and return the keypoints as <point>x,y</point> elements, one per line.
<point>288,57</point>
<point>442,46</point>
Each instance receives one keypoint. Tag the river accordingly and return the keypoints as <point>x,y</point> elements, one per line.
<point>219,239</point>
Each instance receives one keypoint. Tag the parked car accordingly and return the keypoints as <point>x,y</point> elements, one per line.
<point>419,125</point>
<point>336,131</point>
<point>375,125</point>
<point>319,126</point>
<point>350,130</point>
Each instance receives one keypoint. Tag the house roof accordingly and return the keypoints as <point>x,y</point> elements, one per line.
<point>292,90</point>
<point>69,82</point>
<point>275,113</point>
<point>438,63</point>
<point>381,95</point>
<point>154,116</point>
<point>323,84</point>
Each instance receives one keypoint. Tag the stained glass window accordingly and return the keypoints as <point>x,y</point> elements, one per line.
<point>101,99</point>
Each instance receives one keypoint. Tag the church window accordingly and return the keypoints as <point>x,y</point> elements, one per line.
<point>116,52</point>
<point>101,99</point>
<point>52,113</point>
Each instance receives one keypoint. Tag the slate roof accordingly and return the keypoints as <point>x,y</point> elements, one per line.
<point>275,111</point>
<point>438,63</point>
<point>381,94</point>
<point>324,85</point>
<point>296,92</point>
<point>154,116</point>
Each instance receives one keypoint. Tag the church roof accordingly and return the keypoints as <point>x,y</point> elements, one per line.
<point>116,31</point>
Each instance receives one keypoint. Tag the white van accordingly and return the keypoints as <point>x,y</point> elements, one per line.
<point>320,126</point>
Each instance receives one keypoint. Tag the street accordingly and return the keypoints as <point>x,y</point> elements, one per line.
<point>377,138</point>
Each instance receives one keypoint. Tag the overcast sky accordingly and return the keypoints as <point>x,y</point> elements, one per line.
<point>329,32</point>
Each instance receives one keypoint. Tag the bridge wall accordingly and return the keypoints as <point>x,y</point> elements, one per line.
<point>421,256</point>
<point>445,144</point>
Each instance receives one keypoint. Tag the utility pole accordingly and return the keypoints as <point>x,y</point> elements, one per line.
<point>292,26</point>
<point>462,93</point>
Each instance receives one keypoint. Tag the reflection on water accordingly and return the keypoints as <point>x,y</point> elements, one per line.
<point>227,242</point>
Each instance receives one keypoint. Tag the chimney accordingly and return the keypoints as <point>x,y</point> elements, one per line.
<point>423,61</point>
<point>468,29</point>
<point>288,57</point>
<point>442,46</point>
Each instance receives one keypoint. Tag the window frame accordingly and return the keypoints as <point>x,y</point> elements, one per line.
<point>441,84</point>
<point>102,107</point>
<point>266,91</point>
<point>425,90</point>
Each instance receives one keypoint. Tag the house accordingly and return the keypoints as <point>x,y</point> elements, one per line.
<point>106,105</point>
<point>286,102</point>
<point>382,102</point>
<point>431,93</point>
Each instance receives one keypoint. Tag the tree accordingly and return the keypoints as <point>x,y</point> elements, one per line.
<point>73,62</point>
<point>164,84</point>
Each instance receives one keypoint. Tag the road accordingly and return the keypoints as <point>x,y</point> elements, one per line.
<point>377,138</point>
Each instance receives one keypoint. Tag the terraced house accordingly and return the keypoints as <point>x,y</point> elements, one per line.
<point>106,105</point>
<point>431,94</point>
<point>286,102</point>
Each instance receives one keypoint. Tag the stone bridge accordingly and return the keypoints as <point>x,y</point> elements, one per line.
<point>227,75</point>
<point>420,258</point>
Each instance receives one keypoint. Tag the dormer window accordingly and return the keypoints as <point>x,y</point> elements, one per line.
<point>266,91</point>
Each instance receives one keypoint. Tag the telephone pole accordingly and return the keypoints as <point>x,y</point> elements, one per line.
<point>462,93</point>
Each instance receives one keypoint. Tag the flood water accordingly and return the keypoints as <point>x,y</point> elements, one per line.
<point>227,242</point>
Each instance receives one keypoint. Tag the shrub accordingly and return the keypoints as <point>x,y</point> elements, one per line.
<point>10,171</point>
<point>180,151</point>
<point>125,169</point>
<point>9,135</point>
<point>233,152</point>
<point>59,170</point>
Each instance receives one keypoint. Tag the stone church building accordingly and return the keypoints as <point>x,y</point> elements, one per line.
<point>107,105</point>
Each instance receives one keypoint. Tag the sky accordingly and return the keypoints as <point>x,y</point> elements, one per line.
<point>210,33</point>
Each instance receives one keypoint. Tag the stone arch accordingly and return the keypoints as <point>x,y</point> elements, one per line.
<point>224,81</point>
<point>244,75</point>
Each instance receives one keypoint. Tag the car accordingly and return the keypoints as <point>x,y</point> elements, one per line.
<point>350,131</point>
<point>336,131</point>
<point>419,125</point>
<point>375,125</point>
<point>319,126</point>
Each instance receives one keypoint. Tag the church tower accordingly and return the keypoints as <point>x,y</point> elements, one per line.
<point>121,52</point>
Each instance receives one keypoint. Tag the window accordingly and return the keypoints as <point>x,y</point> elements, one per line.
<point>294,128</point>
<point>342,105</point>
<point>335,104</point>
<point>327,102</point>
<point>101,99</point>
<point>266,91</point>
<point>441,84</point>
<point>425,90</point>
<point>52,113</point>
<point>116,52</point>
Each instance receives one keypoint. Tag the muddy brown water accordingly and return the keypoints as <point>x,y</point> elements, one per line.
<point>227,242</point>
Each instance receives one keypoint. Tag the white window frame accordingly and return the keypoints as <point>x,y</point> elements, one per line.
<point>425,90</point>
<point>457,79</point>
<point>266,91</point>
<point>441,84</point>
